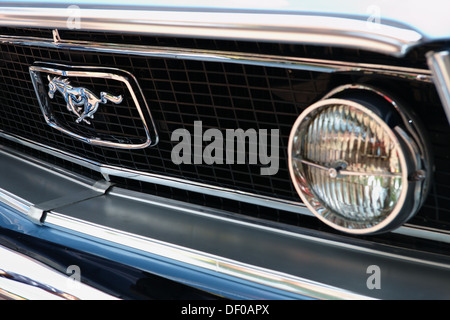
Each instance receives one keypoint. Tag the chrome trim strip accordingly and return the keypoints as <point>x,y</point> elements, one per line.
<point>439,63</point>
<point>309,64</point>
<point>423,233</point>
<point>61,172</point>
<point>107,171</point>
<point>406,229</point>
<point>38,211</point>
<point>285,25</point>
<point>203,260</point>
<point>13,201</point>
<point>23,206</point>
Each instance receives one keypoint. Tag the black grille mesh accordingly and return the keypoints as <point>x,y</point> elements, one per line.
<point>222,96</point>
<point>436,210</point>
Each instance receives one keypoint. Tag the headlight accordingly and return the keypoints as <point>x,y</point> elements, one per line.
<point>358,161</point>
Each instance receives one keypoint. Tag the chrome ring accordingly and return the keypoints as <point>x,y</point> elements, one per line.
<point>413,157</point>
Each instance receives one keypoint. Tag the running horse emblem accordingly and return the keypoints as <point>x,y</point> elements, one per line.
<point>81,101</point>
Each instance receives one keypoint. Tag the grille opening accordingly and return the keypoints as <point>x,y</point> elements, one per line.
<point>222,96</point>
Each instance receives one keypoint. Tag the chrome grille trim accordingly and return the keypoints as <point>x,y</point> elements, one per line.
<point>290,23</point>
<point>439,63</point>
<point>149,245</point>
<point>202,260</point>
<point>308,64</point>
<point>107,171</point>
<point>23,206</point>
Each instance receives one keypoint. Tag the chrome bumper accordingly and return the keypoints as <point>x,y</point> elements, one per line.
<point>22,277</point>
<point>228,255</point>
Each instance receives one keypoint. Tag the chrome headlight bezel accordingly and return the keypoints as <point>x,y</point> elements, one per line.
<point>403,130</point>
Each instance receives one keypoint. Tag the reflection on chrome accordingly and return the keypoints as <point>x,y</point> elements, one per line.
<point>33,280</point>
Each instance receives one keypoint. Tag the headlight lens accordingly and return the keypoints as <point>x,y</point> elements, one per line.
<point>350,167</point>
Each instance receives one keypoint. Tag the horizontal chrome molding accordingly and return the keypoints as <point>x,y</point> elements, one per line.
<point>222,265</point>
<point>295,63</point>
<point>13,201</point>
<point>406,229</point>
<point>107,171</point>
<point>203,260</point>
<point>288,24</point>
<point>227,266</point>
<point>424,233</point>
<point>439,63</point>
<point>24,206</point>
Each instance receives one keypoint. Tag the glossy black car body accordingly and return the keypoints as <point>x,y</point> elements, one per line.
<point>132,224</point>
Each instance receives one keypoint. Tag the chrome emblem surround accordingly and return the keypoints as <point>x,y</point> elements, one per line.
<point>83,103</point>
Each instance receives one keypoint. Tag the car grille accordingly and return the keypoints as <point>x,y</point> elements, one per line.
<point>222,96</point>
